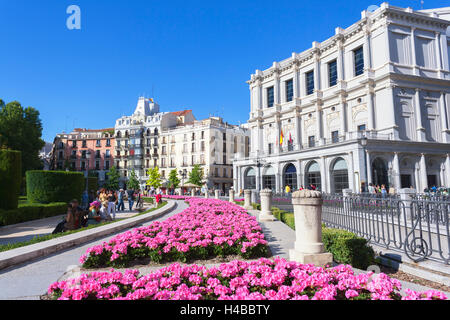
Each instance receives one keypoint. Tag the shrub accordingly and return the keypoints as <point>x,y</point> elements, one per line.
<point>28,212</point>
<point>11,178</point>
<point>92,183</point>
<point>348,248</point>
<point>54,186</point>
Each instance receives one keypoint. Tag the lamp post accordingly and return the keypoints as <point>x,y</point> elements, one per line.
<point>183,176</point>
<point>364,145</point>
<point>259,164</point>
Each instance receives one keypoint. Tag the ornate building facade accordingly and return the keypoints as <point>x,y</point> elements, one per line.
<point>370,104</point>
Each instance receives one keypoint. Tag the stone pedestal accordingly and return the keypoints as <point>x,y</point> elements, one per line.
<point>217,193</point>
<point>266,205</point>
<point>406,196</point>
<point>192,193</point>
<point>248,200</point>
<point>231,194</point>
<point>309,248</point>
<point>206,194</point>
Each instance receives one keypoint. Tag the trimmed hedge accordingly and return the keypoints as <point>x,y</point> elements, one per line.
<point>28,212</point>
<point>54,186</point>
<point>92,184</point>
<point>346,247</point>
<point>11,178</point>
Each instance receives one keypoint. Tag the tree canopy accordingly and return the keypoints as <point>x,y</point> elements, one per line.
<point>113,178</point>
<point>174,182</point>
<point>133,181</point>
<point>154,178</point>
<point>21,129</point>
<point>196,175</point>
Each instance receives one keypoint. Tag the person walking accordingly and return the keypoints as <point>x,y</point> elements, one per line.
<point>120,203</point>
<point>130,194</point>
<point>112,205</point>
<point>287,189</point>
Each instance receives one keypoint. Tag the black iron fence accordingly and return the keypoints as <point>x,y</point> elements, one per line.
<point>417,226</point>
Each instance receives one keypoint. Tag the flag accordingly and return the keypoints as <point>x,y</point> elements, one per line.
<point>281,137</point>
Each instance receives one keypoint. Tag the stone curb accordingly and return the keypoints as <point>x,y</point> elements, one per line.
<point>23,254</point>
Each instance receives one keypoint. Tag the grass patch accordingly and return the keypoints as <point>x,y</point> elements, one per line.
<point>6,247</point>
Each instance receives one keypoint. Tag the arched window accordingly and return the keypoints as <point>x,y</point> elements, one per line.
<point>250,179</point>
<point>312,176</point>
<point>269,178</point>
<point>290,176</point>
<point>339,174</point>
<point>380,173</point>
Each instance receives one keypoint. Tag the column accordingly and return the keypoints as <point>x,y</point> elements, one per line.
<point>231,195</point>
<point>258,179</point>
<point>296,83</point>
<point>260,137</point>
<point>447,170</point>
<point>308,248</point>
<point>369,168</point>
<point>340,62</point>
<point>217,193</point>
<point>444,118</point>
<point>423,173</point>
<point>248,200</point>
<point>388,46</point>
<point>438,53</point>
<point>278,184</point>
<point>418,109</point>
<point>342,114</point>
<point>413,51</point>
<point>266,206</point>
<point>418,185</point>
<point>351,174</point>
<point>370,109</point>
<point>324,174</point>
<point>396,168</point>
<point>277,146</point>
<point>276,87</point>
<point>391,110</point>
<point>319,124</point>
<point>367,50</point>
<point>298,130</point>
<point>300,180</point>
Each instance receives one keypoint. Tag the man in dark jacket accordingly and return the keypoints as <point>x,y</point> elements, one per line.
<point>130,194</point>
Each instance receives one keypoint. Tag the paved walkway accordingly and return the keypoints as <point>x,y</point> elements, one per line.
<point>30,280</point>
<point>28,230</point>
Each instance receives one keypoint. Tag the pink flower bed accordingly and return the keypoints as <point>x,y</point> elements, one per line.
<point>208,228</point>
<point>263,279</point>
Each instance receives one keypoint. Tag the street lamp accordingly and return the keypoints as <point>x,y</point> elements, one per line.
<point>259,164</point>
<point>364,141</point>
<point>183,176</point>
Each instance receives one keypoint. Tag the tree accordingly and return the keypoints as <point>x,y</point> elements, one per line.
<point>174,182</point>
<point>133,182</point>
<point>154,178</point>
<point>196,175</point>
<point>21,129</point>
<point>113,178</point>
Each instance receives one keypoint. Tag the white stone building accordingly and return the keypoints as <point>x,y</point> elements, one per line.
<point>210,143</point>
<point>370,104</point>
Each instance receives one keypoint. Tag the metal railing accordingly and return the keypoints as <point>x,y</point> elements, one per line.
<point>418,227</point>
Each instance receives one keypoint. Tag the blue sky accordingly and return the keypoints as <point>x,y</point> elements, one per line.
<point>191,54</point>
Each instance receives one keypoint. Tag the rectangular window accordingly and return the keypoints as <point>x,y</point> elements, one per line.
<point>289,90</point>
<point>107,165</point>
<point>74,143</point>
<point>362,127</point>
<point>97,154</point>
<point>270,148</point>
<point>332,73</point>
<point>310,82</point>
<point>108,142</point>
<point>84,144</point>
<point>311,141</point>
<point>97,144</point>
<point>270,97</point>
<point>358,55</point>
<point>335,136</point>
<point>97,165</point>
<point>108,154</point>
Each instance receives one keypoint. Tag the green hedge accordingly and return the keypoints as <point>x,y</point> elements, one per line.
<point>346,247</point>
<point>92,184</point>
<point>28,212</point>
<point>10,178</point>
<point>54,186</point>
